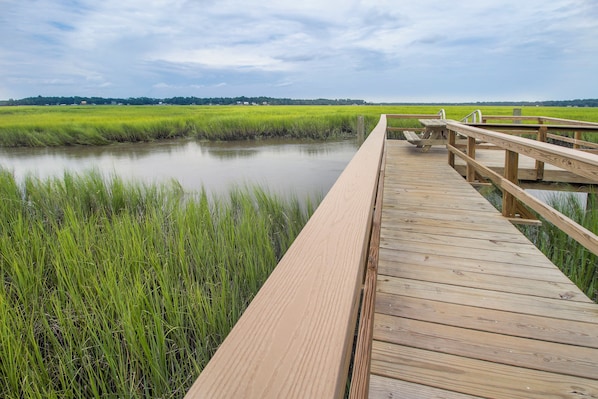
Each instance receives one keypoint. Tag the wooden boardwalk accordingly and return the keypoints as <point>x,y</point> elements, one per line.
<point>466,306</point>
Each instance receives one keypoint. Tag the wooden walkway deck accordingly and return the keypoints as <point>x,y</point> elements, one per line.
<point>466,306</point>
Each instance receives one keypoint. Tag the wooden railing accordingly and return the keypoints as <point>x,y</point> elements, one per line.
<point>544,126</point>
<point>296,337</point>
<point>537,119</point>
<point>514,197</point>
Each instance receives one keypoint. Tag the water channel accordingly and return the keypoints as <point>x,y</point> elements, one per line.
<point>286,167</point>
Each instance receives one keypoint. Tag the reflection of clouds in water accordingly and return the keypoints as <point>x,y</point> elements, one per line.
<point>281,165</point>
<point>249,148</point>
<point>118,150</point>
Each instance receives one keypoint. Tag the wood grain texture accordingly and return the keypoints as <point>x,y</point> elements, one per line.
<point>499,322</point>
<point>360,378</point>
<point>466,305</point>
<point>516,351</point>
<point>475,377</point>
<point>295,338</point>
<point>389,388</point>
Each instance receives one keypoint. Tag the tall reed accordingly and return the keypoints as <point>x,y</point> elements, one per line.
<point>114,289</point>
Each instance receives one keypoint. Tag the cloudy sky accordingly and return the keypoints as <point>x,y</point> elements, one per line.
<point>375,50</point>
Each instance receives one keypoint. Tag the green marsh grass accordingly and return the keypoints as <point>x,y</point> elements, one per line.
<point>115,289</point>
<point>99,125</point>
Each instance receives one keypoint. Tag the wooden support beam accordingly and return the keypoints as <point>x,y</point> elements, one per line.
<point>577,137</point>
<point>542,132</point>
<point>451,140</point>
<point>470,175</point>
<point>509,202</point>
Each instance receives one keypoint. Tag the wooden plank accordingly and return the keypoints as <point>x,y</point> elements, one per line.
<point>411,137</point>
<point>404,220</point>
<point>433,122</point>
<point>522,258</point>
<point>386,388</point>
<point>458,230</point>
<point>295,338</point>
<point>435,238</point>
<point>470,217</point>
<point>555,308</point>
<point>543,271</point>
<point>483,319</point>
<point>487,281</point>
<point>475,377</point>
<point>553,357</point>
<point>463,200</point>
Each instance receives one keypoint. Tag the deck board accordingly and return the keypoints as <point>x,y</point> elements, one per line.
<point>466,306</point>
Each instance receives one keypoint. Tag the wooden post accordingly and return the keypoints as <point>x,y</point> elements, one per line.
<point>360,128</point>
<point>542,136</point>
<point>516,112</point>
<point>509,202</point>
<point>577,137</point>
<point>471,153</point>
<point>452,138</point>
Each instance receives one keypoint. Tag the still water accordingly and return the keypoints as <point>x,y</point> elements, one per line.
<point>302,168</point>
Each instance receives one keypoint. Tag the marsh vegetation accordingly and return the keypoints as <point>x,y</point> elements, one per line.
<point>126,290</point>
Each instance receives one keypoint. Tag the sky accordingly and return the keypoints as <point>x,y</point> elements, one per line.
<point>373,50</point>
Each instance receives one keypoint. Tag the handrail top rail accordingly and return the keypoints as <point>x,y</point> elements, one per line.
<point>540,118</point>
<point>534,126</point>
<point>579,162</point>
<point>295,338</point>
<point>476,116</point>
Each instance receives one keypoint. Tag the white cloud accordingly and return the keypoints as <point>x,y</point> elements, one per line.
<point>310,48</point>
<point>225,58</point>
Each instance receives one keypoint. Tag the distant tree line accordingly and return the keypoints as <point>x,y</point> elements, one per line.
<point>42,100</point>
<point>590,102</point>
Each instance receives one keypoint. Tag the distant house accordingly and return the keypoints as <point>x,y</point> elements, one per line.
<point>83,102</point>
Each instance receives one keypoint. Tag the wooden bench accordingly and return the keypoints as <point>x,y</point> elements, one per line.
<point>434,134</point>
<point>412,137</point>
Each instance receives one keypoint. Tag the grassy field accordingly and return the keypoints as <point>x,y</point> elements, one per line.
<point>99,125</point>
<point>113,289</point>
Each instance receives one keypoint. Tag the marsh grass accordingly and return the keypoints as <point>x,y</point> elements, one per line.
<point>115,289</point>
<point>574,260</point>
<point>99,125</point>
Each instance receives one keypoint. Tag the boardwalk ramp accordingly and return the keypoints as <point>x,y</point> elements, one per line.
<point>465,305</point>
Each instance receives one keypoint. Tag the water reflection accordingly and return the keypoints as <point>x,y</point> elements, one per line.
<point>282,166</point>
